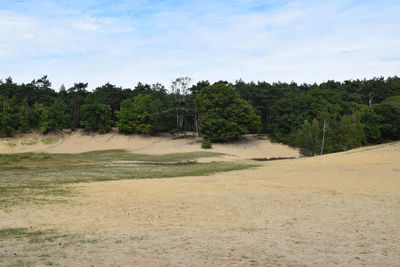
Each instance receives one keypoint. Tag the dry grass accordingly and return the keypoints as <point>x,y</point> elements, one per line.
<point>334,210</point>
<point>42,178</point>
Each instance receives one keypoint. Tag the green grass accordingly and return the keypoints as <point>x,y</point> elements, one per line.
<point>33,247</point>
<point>100,156</point>
<point>26,233</point>
<point>22,158</point>
<point>32,236</point>
<point>120,154</point>
<point>47,247</point>
<point>44,178</point>
<point>50,140</point>
<point>29,142</point>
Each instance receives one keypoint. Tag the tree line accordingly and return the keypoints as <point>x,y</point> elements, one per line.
<point>318,118</point>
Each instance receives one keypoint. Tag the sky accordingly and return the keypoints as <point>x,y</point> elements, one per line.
<point>127,41</point>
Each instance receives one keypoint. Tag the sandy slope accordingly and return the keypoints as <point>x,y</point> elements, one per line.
<point>339,209</point>
<point>80,141</point>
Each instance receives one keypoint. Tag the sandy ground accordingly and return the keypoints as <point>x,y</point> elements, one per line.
<point>335,210</point>
<point>79,141</point>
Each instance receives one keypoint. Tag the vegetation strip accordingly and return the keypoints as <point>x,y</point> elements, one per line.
<point>42,178</point>
<point>273,158</point>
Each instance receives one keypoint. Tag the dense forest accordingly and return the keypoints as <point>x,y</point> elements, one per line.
<point>318,118</point>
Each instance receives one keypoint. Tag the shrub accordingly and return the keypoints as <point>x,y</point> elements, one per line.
<point>206,145</point>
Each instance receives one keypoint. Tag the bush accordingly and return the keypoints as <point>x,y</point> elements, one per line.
<point>206,145</point>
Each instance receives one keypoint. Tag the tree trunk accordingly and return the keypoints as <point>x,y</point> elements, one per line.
<point>370,98</point>
<point>323,138</point>
<point>196,126</point>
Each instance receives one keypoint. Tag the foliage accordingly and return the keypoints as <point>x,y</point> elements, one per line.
<point>131,119</point>
<point>290,112</point>
<point>111,95</point>
<point>389,113</point>
<point>144,114</point>
<point>382,121</point>
<point>346,134</point>
<point>206,145</point>
<point>74,99</point>
<point>180,91</point>
<point>348,114</point>
<point>51,118</point>
<point>96,117</point>
<point>308,138</point>
<point>224,115</point>
<point>349,133</point>
<point>7,122</point>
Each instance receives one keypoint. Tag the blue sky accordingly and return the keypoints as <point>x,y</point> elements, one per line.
<point>124,42</point>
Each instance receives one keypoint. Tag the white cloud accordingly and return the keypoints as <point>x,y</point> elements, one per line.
<point>125,43</point>
<point>85,26</point>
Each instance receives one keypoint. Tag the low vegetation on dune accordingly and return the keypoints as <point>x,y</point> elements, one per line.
<point>36,179</point>
<point>44,246</point>
<point>40,177</point>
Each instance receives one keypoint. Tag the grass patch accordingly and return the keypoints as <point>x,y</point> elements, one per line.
<point>43,178</point>
<point>120,154</point>
<point>22,158</point>
<point>29,234</point>
<point>29,142</point>
<point>50,140</point>
<point>33,247</point>
<point>47,247</point>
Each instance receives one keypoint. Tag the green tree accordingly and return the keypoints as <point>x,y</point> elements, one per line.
<point>51,118</point>
<point>21,119</point>
<point>111,95</point>
<point>349,133</point>
<point>7,122</point>
<point>291,110</point>
<point>145,114</point>
<point>180,90</point>
<point>223,114</point>
<point>308,138</point>
<point>389,112</point>
<point>76,97</point>
<point>96,117</point>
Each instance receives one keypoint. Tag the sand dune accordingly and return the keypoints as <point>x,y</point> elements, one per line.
<point>79,141</point>
<point>340,209</point>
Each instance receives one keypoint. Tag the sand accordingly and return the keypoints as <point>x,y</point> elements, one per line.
<point>252,146</point>
<point>340,209</point>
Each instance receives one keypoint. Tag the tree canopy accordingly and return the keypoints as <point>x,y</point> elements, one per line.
<point>224,115</point>
<point>318,118</point>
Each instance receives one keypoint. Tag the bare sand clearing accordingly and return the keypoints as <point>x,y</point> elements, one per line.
<point>338,209</point>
